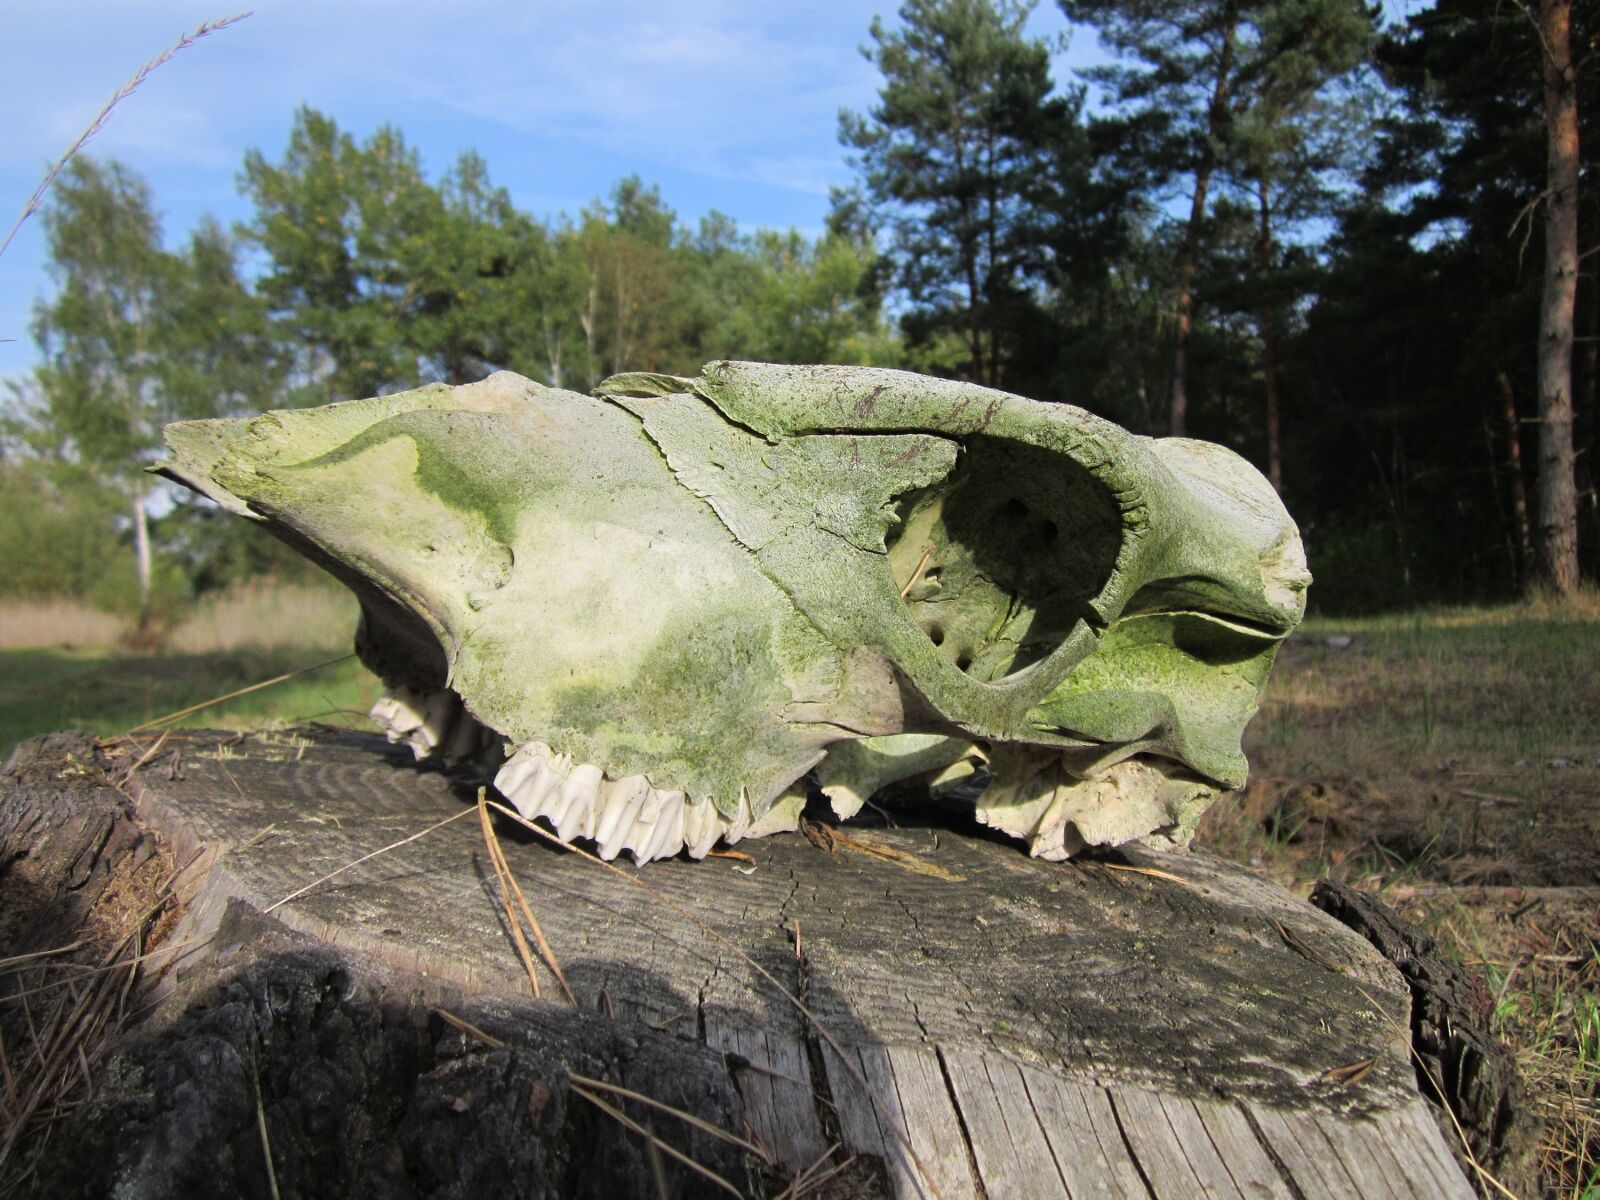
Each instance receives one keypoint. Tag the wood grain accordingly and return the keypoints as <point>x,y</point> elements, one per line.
<point>982,1024</point>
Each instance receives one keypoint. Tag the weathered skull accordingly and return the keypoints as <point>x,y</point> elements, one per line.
<point>673,599</point>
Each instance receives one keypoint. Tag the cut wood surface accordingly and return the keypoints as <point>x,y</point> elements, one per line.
<point>985,1024</point>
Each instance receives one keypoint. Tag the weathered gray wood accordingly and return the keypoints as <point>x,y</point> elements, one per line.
<point>995,1025</point>
<point>895,1103</point>
<point>774,1080</point>
<point>1082,1130</point>
<point>1296,1140</point>
<point>1451,1011</point>
<point>1013,1156</point>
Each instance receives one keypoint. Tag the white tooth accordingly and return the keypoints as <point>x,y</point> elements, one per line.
<point>650,810</point>
<point>557,808</point>
<point>735,829</point>
<point>512,781</point>
<point>692,815</point>
<point>579,794</point>
<point>386,713</point>
<point>399,712</point>
<point>781,816</point>
<point>439,711</point>
<point>646,830</point>
<point>668,839</point>
<point>706,824</point>
<point>553,801</point>
<point>613,796</point>
<point>544,790</point>
<point>622,801</point>
<point>646,822</point>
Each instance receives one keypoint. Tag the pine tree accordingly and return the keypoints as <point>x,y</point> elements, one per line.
<point>953,157</point>
<point>1219,86</point>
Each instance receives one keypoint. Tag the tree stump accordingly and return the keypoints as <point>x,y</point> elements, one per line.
<point>341,1011</point>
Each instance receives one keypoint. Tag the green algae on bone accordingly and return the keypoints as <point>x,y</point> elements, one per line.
<point>705,583</point>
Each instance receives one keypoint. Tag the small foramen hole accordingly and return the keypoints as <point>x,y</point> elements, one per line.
<point>935,632</point>
<point>1013,509</point>
<point>1048,533</point>
<point>963,661</point>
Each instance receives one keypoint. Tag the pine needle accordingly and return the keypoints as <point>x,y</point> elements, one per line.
<point>468,1028</point>
<point>628,1123</point>
<point>715,1131</point>
<point>296,894</point>
<point>509,887</point>
<point>1153,872</point>
<point>886,1118</point>
<point>1353,1073</point>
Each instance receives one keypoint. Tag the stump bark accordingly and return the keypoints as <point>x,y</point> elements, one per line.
<point>340,1011</point>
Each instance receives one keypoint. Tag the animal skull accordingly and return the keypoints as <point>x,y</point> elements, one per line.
<point>673,599</point>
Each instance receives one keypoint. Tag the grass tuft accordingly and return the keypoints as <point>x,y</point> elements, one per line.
<point>1449,761</point>
<point>64,666</point>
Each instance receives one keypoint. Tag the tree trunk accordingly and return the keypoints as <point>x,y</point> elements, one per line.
<point>969,263</point>
<point>1269,341</point>
<point>586,319</point>
<point>1187,264</point>
<point>936,1012</point>
<point>1189,252</point>
<point>141,548</point>
<point>1558,500</point>
<point>1585,417</point>
<point>1519,487</point>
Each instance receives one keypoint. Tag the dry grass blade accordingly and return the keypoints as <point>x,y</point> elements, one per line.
<point>688,1118</point>
<point>513,925</point>
<point>814,1177</point>
<point>405,841</point>
<point>13,1103</point>
<point>82,972</point>
<point>901,1137</point>
<point>70,1040</point>
<point>1490,1182</point>
<point>922,565</point>
<point>155,748</point>
<point>1298,944</point>
<point>204,29</point>
<point>1152,872</point>
<point>628,1123</point>
<point>261,1129</point>
<point>1350,1073</point>
<point>17,960</point>
<point>509,887</point>
<point>893,854</point>
<point>244,691</point>
<point>468,1028</point>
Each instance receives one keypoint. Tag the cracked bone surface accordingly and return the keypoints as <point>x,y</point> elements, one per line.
<point>658,608</point>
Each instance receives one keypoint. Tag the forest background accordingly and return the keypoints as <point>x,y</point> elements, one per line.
<point>1358,246</point>
<point>1288,226</point>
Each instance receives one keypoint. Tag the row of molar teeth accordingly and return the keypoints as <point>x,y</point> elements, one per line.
<point>431,723</point>
<point>579,801</point>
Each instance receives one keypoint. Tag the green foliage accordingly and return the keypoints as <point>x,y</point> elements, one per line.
<point>59,536</point>
<point>957,158</point>
<point>109,692</point>
<point>136,336</point>
<point>1367,253</point>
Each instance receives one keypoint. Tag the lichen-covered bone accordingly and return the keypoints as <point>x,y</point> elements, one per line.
<point>659,607</point>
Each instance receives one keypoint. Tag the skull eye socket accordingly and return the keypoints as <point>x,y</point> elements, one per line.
<point>981,561</point>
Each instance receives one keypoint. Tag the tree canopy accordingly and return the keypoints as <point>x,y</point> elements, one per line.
<point>1342,248</point>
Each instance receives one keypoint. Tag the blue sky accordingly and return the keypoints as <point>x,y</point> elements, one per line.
<point>723,104</point>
